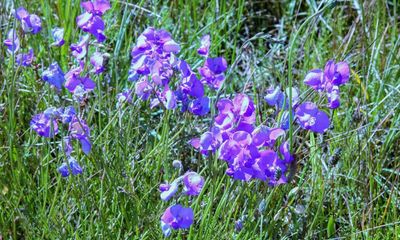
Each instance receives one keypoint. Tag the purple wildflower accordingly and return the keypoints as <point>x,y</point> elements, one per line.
<point>205,45</point>
<point>58,36</point>
<point>91,20</point>
<point>80,130</point>
<point>25,59</point>
<point>12,41</point>
<point>169,192</point>
<point>329,80</point>
<point>54,75</point>
<point>176,217</point>
<point>97,60</point>
<point>31,23</point>
<point>79,49</point>
<point>213,72</point>
<point>63,170</point>
<point>44,125</point>
<point>200,106</point>
<point>77,84</point>
<point>193,183</point>
<point>311,118</point>
<point>124,96</point>
<point>74,165</point>
<point>73,168</point>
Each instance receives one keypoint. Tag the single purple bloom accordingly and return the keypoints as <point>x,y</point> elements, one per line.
<point>66,114</point>
<point>205,45</point>
<point>77,84</point>
<point>193,183</point>
<point>213,72</point>
<point>74,165</point>
<point>311,118</point>
<point>337,74</point>
<point>315,79</point>
<point>229,150</point>
<point>171,191</point>
<point>275,97</point>
<point>264,136</point>
<point>44,126</point>
<point>285,151</point>
<point>333,97</point>
<point>80,130</point>
<point>124,96</point>
<point>178,217</point>
<point>58,36</point>
<point>143,89</point>
<point>79,49</point>
<point>97,60</point>
<point>31,24</point>
<point>25,59</point>
<point>238,225</point>
<point>164,187</point>
<point>12,41</point>
<point>67,146</point>
<point>191,85</point>
<point>168,98</point>
<point>63,170</point>
<point>21,13</point>
<point>97,7</point>
<point>200,106</point>
<point>92,24</point>
<point>54,75</point>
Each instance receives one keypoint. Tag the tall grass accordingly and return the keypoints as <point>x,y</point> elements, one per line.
<point>348,194</point>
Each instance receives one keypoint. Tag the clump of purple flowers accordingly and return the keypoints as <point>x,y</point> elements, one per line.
<point>262,152</point>
<point>250,151</point>
<point>176,216</point>
<point>46,124</point>
<point>154,64</point>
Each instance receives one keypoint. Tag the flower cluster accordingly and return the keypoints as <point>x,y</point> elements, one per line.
<point>30,23</point>
<point>76,81</point>
<point>176,216</point>
<point>154,64</point>
<point>248,150</point>
<point>251,151</point>
<point>329,80</point>
<point>91,21</point>
<point>46,124</point>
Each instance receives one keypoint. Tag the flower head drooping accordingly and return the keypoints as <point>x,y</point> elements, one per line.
<point>54,75</point>
<point>58,36</point>
<point>80,130</point>
<point>91,20</point>
<point>44,125</point>
<point>25,59</point>
<point>311,118</point>
<point>12,42</point>
<point>72,167</point>
<point>329,80</point>
<point>176,217</point>
<point>31,23</point>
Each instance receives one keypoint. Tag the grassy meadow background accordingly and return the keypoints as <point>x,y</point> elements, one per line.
<point>346,185</point>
